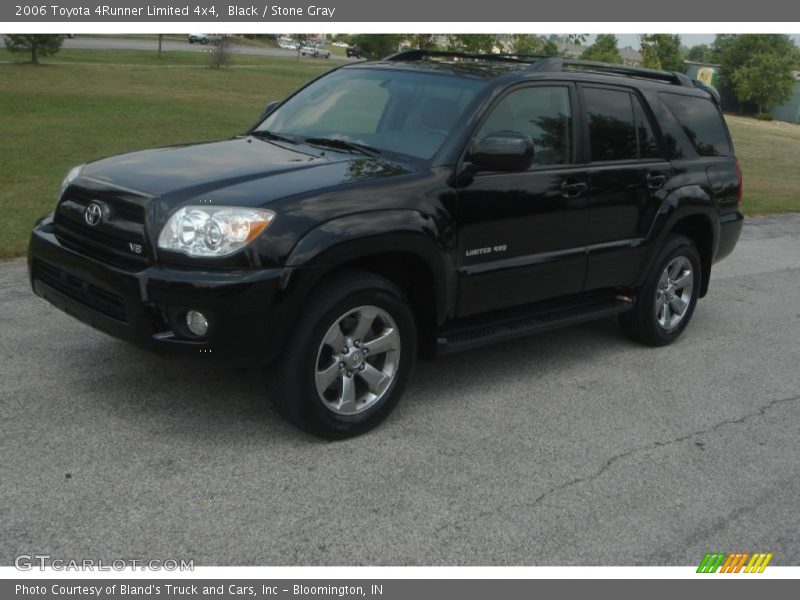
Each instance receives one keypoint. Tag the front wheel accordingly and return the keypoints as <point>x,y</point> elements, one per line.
<point>349,358</point>
<point>666,301</point>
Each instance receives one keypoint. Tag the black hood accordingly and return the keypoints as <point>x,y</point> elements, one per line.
<point>185,172</point>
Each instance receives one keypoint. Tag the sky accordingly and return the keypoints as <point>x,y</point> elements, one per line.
<point>688,39</point>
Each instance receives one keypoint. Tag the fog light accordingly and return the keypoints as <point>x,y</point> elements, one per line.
<point>197,322</point>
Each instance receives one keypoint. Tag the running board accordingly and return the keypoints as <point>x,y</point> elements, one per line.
<point>519,324</point>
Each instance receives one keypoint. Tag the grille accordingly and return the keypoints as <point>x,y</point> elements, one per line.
<point>107,303</point>
<point>114,239</point>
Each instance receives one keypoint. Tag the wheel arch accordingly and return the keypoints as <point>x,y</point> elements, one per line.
<point>403,246</point>
<point>689,211</point>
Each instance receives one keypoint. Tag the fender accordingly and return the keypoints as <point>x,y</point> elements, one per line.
<point>360,235</point>
<point>680,203</point>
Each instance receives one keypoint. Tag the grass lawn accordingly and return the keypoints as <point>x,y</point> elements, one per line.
<point>769,153</point>
<point>86,104</point>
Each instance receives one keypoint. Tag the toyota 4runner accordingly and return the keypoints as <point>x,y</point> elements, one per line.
<point>426,203</point>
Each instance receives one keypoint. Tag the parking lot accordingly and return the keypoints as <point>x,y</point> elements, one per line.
<point>575,447</point>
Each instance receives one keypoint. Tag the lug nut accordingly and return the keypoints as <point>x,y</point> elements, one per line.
<point>345,350</point>
<point>357,343</point>
<point>362,367</point>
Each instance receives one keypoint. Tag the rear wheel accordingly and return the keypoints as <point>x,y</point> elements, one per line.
<point>666,301</point>
<point>349,358</point>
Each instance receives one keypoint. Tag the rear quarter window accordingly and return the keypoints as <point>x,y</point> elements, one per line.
<point>701,122</point>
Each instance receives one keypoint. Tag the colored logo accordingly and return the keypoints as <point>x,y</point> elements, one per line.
<point>735,562</point>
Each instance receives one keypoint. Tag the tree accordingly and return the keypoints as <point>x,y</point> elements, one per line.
<point>524,43</point>
<point>661,51</point>
<point>478,43</point>
<point>604,49</point>
<point>423,41</point>
<point>37,45</point>
<point>576,38</point>
<point>766,80</point>
<point>376,46</point>
<point>734,51</point>
<point>550,48</point>
<point>700,53</point>
<point>221,54</point>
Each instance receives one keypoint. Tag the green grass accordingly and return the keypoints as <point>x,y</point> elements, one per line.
<point>769,153</point>
<point>86,104</point>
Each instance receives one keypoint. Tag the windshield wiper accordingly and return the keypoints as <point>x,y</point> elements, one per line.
<point>271,135</point>
<point>339,144</point>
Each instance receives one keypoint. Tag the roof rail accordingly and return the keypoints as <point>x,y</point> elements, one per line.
<point>541,63</point>
<point>411,55</point>
<point>563,64</point>
<point>711,91</point>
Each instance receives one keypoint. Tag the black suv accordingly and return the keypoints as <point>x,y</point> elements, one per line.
<point>426,203</point>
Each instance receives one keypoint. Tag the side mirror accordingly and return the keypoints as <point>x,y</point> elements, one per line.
<point>503,151</point>
<point>269,108</point>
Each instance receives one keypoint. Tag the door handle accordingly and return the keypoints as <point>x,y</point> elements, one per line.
<point>573,189</point>
<point>655,180</point>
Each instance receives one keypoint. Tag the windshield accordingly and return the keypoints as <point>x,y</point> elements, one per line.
<point>388,110</point>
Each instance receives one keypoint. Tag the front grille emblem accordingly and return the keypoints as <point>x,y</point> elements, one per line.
<point>92,214</point>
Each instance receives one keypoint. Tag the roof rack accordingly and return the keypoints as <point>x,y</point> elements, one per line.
<point>423,54</point>
<point>565,64</point>
<point>541,63</point>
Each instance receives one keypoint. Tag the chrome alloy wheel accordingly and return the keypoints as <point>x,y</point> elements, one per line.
<point>674,293</point>
<point>357,360</point>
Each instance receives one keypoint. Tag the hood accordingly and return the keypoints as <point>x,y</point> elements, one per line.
<point>222,168</point>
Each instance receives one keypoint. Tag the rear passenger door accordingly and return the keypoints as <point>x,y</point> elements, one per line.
<point>627,176</point>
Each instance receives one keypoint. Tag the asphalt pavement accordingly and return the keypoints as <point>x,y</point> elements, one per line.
<point>575,447</point>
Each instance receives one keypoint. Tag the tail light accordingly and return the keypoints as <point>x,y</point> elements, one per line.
<point>739,177</point>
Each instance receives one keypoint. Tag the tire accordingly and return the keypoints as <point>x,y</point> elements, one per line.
<point>338,392</point>
<point>657,320</point>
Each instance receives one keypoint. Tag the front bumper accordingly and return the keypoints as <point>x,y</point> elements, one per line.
<point>247,319</point>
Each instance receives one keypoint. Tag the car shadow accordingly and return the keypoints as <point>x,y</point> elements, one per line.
<point>184,397</point>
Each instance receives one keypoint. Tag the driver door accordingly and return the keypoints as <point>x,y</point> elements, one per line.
<point>522,235</point>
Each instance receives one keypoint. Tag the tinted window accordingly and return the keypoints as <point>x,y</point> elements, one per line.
<point>544,114</point>
<point>409,113</point>
<point>701,122</point>
<point>612,131</point>
<point>648,145</point>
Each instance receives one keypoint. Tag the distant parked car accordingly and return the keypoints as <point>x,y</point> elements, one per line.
<point>204,38</point>
<point>315,51</point>
<point>354,51</point>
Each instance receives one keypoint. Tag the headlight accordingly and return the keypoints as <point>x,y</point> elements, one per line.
<point>213,231</point>
<point>73,174</point>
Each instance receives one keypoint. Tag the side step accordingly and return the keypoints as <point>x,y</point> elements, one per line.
<point>522,322</point>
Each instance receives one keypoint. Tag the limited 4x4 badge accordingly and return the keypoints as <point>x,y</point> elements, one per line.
<point>486,250</point>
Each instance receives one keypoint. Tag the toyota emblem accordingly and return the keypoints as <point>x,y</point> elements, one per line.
<point>92,214</point>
